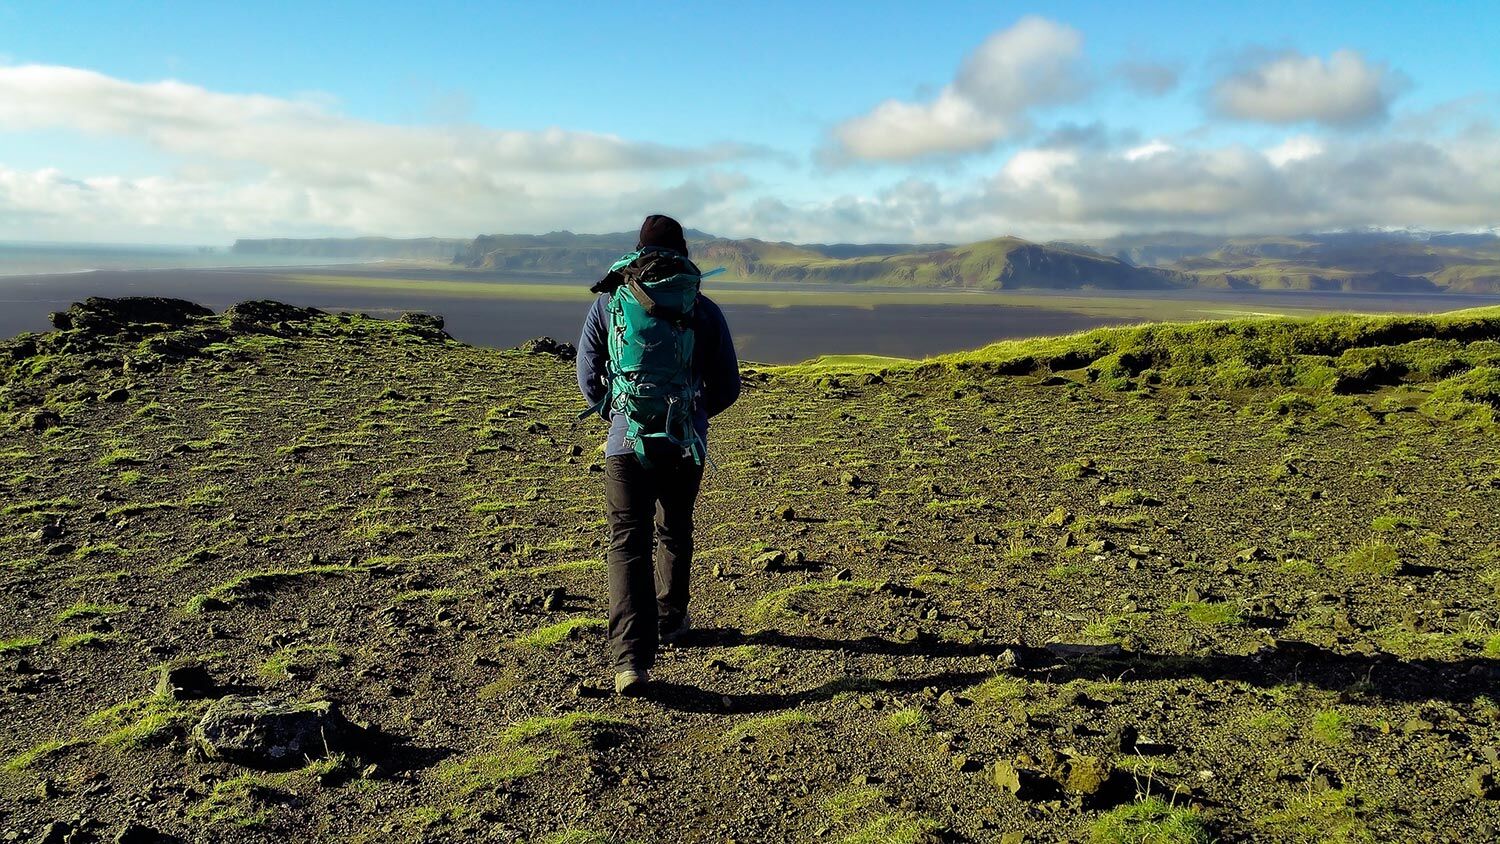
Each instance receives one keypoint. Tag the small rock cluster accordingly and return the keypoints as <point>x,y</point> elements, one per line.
<point>549,346</point>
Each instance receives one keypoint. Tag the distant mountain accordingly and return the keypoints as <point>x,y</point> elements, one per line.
<point>1380,261</point>
<point>1383,261</point>
<point>1002,263</point>
<point>423,248</point>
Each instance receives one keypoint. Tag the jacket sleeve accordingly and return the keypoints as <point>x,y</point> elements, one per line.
<point>721,366</point>
<point>593,356</point>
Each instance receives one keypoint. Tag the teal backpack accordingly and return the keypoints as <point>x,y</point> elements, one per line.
<point>651,378</point>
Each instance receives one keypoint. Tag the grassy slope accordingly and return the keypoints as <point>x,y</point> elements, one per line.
<point>1304,582</point>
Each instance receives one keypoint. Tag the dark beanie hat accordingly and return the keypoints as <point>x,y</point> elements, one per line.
<point>662,231</point>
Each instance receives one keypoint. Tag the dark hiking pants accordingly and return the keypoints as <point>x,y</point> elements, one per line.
<point>650,510</point>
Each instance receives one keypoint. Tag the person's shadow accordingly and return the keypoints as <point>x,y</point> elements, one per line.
<point>1379,676</point>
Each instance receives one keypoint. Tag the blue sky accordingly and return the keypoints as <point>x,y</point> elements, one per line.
<point>851,121</point>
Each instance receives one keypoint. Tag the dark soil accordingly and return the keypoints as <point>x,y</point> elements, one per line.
<point>940,604</point>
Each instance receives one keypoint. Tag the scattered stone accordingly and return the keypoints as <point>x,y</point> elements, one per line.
<point>843,574</point>
<point>1097,649</point>
<point>1483,783</point>
<point>266,733</point>
<point>56,832</point>
<point>267,313</point>
<point>1099,546</point>
<point>553,601</point>
<point>786,514</point>
<point>115,396</point>
<point>1085,775</point>
<point>549,346</point>
<point>185,682</point>
<point>1022,783</point>
<point>137,834</point>
<point>99,316</point>
<point>60,549</point>
<point>43,420</point>
<point>769,561</point>
<point>964,763</point>
<point>1057,518</point>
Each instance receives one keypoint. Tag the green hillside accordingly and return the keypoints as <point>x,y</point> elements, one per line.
<point>1002,263</point>
<point>279,575</point>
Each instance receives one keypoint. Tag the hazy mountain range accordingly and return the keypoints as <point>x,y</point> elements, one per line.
<point>1383,261</point>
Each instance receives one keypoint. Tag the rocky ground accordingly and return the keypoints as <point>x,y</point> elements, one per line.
<point>278,575</point>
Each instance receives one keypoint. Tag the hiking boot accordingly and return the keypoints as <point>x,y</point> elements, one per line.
<point>667,637</point>
<point>631,682</point>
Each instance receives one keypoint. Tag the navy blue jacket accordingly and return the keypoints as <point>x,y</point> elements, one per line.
<point>714,363</point>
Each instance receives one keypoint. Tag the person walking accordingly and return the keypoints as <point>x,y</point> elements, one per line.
<point>656,361</point>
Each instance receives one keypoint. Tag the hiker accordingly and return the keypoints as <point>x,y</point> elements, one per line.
<point>655,360</point>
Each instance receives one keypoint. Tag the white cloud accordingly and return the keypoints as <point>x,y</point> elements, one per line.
<point>1343,90</point>
<point>1148,149</point>
<point>1449,181</point>
<point>1029,65</point>
<point>1295,148</point>
<point>306,135</point>
<point>250,163</point>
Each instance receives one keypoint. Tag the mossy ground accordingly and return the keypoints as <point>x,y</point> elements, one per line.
<point>1303,590</point>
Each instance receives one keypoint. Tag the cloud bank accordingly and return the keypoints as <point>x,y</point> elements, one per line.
<point>245,164</point>
<point>1026,66</point>
<point>1343,90</point>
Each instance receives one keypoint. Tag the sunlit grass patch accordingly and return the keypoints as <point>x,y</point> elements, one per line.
<point>1376,559</point>
<point>909,720</point>
<point>765,729</point>
<point>19,644</point>
<point>571,567</point>
<point>546,637</point>
<point>244,585</point>
<point>84,609</point>
<point>1209,613</point>
<point>793,598</point>
<point>1150,821</point>
<point>897,828</point>
<point>297,658</point>
<point>525,749</point>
